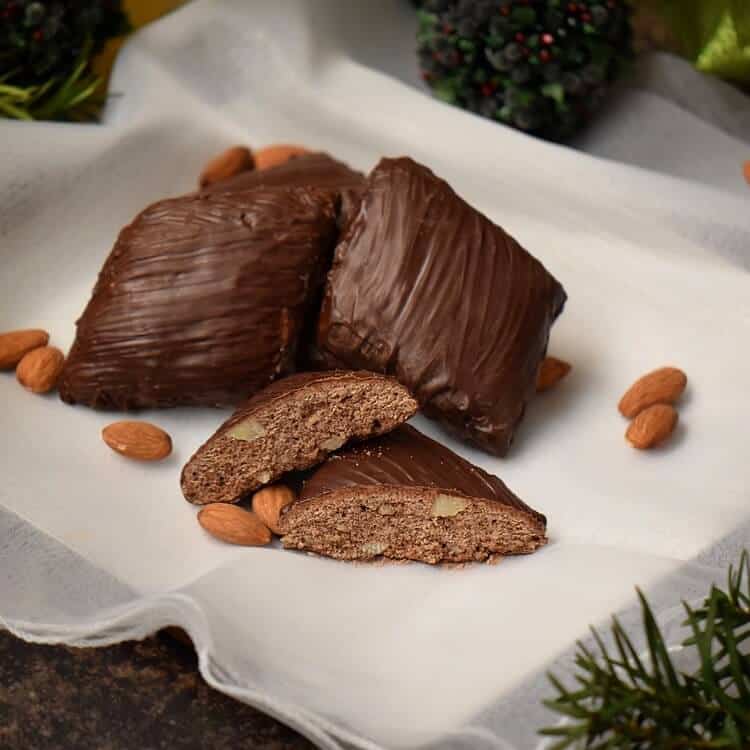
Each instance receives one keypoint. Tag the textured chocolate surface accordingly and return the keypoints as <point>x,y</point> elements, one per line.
<point>317,170</point>
<point>291,425</point>
<point>202,300</point>
<point>407,458</point>
<point>426,288</point>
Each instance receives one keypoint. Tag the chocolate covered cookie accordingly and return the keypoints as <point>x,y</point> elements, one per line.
<point>428,289</point>
<point>202,300</point>
<point>307,170</point>
<point>292,425</point>
<point>404,496</point>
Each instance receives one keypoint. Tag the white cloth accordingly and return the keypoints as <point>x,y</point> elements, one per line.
<point>94,549</point>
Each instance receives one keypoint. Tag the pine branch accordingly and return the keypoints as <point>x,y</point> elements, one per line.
<point>76,96</point>
<point>622,700</point>
<point>46,53</point>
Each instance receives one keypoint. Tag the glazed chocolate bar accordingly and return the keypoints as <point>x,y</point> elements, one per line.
<point>426,288</point>
<point>292,425</point>
<point>307,170</point>
<point>202,300</point>
<point>404,496</point>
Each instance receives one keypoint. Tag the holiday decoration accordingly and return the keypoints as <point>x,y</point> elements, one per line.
<point>46,50</point>
<point>624,699</point>
<point>542,66</point>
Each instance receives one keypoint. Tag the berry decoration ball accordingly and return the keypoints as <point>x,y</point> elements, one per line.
<point>542,66</point>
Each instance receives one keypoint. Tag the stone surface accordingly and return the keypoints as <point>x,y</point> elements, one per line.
<point>147,695</point>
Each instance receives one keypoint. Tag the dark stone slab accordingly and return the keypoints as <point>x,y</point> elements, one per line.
<point>144,695</point>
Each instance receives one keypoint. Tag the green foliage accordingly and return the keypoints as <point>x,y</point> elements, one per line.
<point>621,700</point>
<point>46,49</point>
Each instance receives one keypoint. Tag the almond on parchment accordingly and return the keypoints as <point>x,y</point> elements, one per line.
<point>39,370</point>
<point>270,501</point>
<point>234,525</point>
<point>142,441</point>
<point>662,386</point>
<point>15,344</point>
<point>278,153</point>
<point>551,371</point>
<point>227,164</point>
<point>652,426</point>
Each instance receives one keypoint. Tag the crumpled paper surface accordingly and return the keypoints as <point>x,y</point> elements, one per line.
<point>94,549</point>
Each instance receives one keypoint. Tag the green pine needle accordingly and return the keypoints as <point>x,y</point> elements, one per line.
<point>623,701</point>
<point>75,97</point>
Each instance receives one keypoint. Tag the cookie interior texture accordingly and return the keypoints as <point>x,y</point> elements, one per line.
<point>292,425</point>
<point>409,523</point>
<point>405,496</point>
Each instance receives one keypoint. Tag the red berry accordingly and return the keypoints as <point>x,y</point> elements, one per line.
<point>447,28</point>
<point>487,89</point>
<point>545,55</point>
<point>38,35</point>
<point>586,17</point>
<point>505,10</point>
<point>520,37</point>
<point>548,38</point>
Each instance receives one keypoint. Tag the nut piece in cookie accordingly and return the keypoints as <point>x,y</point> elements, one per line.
<point>292,425</point>
<point>405,497</point>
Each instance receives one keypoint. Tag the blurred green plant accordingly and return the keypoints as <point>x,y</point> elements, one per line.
<point>46,52</point>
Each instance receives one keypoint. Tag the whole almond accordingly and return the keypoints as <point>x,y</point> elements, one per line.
<point>662,386</point>
<point>551,371</point>
<point>272,156</point>
<point>234,525</point>
<point>39,370</point>
<point>227,164</point>
<point>652,426</point>
<point>270,501</point>
<point>15,344</point>
<point>142,441</point>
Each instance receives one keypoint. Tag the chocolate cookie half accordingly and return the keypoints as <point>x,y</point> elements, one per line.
<point>202,300</point>
<point>426,288</point>
<point>292,425</point>
<point>404,496</point>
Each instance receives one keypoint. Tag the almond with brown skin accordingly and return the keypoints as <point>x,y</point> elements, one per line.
<point>652,426</point>
<point>662,386</point>
<point>272,156</point>
<point>39,370</point>
<point>142,441</point>
<point>551,371</point>
<point>234,525</point>
<point>270,501</point>
<point>15,344</point>
<point>227,164</point>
